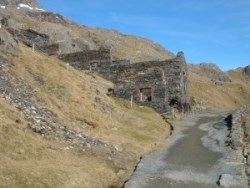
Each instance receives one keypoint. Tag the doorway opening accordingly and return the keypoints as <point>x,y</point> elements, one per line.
<point>145,94</point>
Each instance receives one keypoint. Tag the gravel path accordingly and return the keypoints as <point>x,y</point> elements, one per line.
<point>196,157</point>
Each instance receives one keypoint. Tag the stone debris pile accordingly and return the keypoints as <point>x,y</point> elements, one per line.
<point>41,120</point>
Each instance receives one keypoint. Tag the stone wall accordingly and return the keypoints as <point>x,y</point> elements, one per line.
<point>238,149</point>
<point>159,84</point>
<point>84,59</point>
<point>247,70</point>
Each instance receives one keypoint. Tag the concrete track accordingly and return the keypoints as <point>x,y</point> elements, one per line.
<point>196,157</point>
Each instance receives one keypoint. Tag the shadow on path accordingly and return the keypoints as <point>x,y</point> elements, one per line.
<point>229,121</point>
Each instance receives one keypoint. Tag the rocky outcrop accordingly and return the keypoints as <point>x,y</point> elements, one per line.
<point>247,70</point>
<point>20,4</point>
<point>30,37</point>
<point>209,70</point>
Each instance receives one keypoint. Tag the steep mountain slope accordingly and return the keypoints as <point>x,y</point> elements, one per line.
<point>210,88</point>
<point>241,74</point>
<point>29,160</point>
<point>61,123</point>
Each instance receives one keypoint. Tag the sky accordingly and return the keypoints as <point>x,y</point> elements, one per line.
<point>214,31</point>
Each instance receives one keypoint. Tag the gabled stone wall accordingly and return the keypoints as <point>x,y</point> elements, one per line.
<point>157,83</point>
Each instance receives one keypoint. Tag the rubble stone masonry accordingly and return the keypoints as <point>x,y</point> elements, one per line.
<point>159,84</point>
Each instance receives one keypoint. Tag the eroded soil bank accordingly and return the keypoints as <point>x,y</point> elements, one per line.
<point>197,156</point>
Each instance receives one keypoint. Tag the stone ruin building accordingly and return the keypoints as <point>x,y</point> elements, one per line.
<point>159,84</point>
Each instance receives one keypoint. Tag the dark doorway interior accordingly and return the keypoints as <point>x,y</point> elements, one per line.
<point>146,95</point>
<point>174,103</point>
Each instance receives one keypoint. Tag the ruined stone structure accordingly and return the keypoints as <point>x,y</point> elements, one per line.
<point>159,84</point>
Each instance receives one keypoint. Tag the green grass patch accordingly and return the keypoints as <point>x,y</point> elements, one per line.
<point>139,136</point>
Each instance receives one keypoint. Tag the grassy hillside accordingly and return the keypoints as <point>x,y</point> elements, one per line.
<point>78,100</point>
<point>28,160</point>
<point>225,95</point>
<point>239,76</point>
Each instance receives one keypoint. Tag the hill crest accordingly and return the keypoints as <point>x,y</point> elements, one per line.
<point>209,70</point>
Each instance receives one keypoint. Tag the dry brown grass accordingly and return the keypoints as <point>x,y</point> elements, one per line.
<point>239,76</point>
<point>75,97</point>
<point>228,95</point>
<point>135,48</point>
<point>28,160</point>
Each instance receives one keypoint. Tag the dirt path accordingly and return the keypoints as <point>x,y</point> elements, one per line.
<point>196,157</point>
